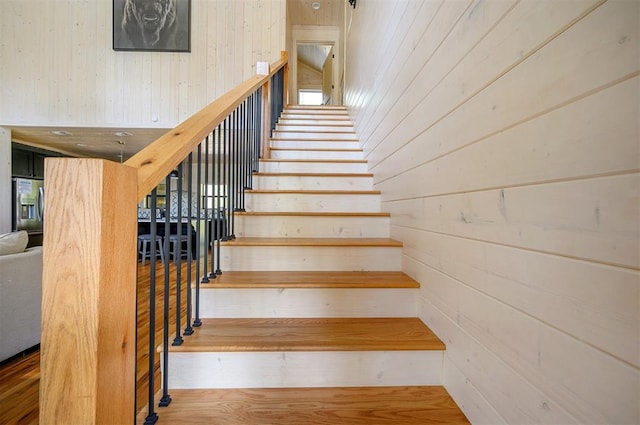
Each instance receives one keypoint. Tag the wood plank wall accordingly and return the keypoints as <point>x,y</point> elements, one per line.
<point>308,77</point>
<point>504,137</point>
<point>58,67</point>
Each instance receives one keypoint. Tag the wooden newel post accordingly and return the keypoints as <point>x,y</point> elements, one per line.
<point>88,345</point>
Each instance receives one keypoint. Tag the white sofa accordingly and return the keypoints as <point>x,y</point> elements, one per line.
<point>20,301</point>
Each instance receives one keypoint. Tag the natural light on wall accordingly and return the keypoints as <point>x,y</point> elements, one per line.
<point>309,97</point>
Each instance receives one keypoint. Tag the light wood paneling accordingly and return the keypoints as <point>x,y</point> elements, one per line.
<point>61,68</point>
<point>308,77</point>
<point>593,219</point>
<point>504,139</point>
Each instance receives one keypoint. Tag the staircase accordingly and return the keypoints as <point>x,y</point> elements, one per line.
<point>312,321</point>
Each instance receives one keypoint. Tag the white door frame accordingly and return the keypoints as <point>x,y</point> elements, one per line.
<point>316,35</point>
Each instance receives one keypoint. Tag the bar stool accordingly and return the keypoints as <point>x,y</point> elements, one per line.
<point>144,244</point>
<point>175,245</point>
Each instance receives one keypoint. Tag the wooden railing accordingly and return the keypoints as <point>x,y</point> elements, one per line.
<point>88,345</point>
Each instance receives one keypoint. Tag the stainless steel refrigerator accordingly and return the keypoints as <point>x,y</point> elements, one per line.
<point>28,206</point>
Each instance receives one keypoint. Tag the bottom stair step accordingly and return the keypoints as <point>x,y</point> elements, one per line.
<point>317,352</point>
<point>312,406</point>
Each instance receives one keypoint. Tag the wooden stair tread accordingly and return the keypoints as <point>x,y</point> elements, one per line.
<point>350,242</point>
<point>321,107</point>
<point>321,214</point>
<point>282,132</point>
<point>313,406</point>
<point>338,161</point>
<point>317,192</point>
<point>347,175</point>
<point>310,334</point>
<point>319,124</point>
<point>318,149</point>
<point>311,279</point>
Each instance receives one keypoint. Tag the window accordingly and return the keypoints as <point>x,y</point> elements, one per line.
<point>213,195</point>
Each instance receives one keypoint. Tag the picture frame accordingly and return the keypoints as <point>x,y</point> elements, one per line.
<point>152,25</point>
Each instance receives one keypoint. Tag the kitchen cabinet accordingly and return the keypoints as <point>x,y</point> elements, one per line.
<point>28,163</point>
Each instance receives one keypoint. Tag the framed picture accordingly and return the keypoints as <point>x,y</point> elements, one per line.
<point>152,25</point>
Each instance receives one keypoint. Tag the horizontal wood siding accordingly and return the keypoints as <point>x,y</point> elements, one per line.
<point>58,66</point>
<point>504,137</point>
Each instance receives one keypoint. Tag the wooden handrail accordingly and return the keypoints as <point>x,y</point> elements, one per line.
<point>159,158</point>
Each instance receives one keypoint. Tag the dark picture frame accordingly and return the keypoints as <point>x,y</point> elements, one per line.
<point>152,25</point>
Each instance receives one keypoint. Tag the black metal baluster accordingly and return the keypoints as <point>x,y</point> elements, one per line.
<point>215,184</point>
<point>205,277</point>
<point>232,172</point>
<point>259,129</point>
<point>189,330</point>
<point>177,340</point>
<point>221,226</point>
<point>165,400</point>
<point>248,151</point>
<point>152,417</point>
<point>196,321</point>
<point>225,174</point>
<point>240,163</point>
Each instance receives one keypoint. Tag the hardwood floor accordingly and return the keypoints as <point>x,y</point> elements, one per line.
<point>19,387</point>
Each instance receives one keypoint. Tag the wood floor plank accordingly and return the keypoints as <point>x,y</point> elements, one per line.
<point>312,279</point>
<point>313,406</point>
<point>19,390</point>
<point>314,334</point>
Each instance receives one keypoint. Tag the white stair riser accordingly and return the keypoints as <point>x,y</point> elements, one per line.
<point>314,144</point>
<point>303,302</point>
<point>314,154</point>
<point>316,108</point>
<point>302,258</point>
<point>304,369</point>
<point>312,167</point>
<point>280,182</point>
<point>322,117</point>
<point>312,202</point>
<point>273,226</point>
<point>315,115</point>
<point>342,122</point>
<point>313,128</point>
<point>322,136</point>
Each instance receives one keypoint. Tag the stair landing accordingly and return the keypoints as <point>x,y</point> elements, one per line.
<point>313,406</point>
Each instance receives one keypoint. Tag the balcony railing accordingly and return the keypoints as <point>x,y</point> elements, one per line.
<point>92,332</point>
